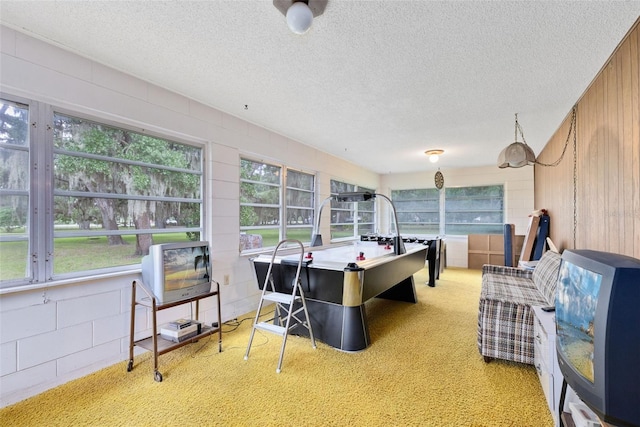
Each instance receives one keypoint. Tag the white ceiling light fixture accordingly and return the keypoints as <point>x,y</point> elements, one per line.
<point>300,13</point>
<point>299,17</point>
<point>517,154</point>
<point>434,155</point>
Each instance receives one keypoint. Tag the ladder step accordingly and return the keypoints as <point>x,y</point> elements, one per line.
<point>280,297</point>
<point>270,327</point>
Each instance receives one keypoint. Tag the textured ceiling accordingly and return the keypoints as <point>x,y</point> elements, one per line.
<point>374,82</point>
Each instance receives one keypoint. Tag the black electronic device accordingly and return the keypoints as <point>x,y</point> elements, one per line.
<point>598,332</point>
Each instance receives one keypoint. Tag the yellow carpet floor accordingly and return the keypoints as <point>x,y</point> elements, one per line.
<point>422,369</point>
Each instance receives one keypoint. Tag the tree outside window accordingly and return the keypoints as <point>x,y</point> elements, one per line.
<point>474,210</point>
<point>418,210</point>
<point>14,191</point>
<point>267,217</point>
<point>351,219</point>
<point>300,203</point>
<point>109,195</point>
<point>467,210</point>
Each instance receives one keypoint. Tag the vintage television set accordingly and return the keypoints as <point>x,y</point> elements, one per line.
<point>598,332</point>
<point>177,271</point>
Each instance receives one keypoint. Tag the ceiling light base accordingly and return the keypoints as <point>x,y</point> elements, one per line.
<point>300,13</point>
<point>317,6</point>
<point>434,155</point>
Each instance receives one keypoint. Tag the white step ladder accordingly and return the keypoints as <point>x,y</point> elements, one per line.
<point>284,306</point>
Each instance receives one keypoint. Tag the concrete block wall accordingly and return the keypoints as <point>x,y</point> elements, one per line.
<point>63,332</point>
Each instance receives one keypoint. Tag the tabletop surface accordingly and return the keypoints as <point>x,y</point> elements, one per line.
<point>336,257</point>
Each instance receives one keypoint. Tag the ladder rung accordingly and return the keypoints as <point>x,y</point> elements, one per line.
<point>280,297</point>
<point>270,327</point>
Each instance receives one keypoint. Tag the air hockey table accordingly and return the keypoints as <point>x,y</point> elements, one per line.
<point>339,279</point>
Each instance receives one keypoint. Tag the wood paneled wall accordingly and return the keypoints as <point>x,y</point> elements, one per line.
<point>607,161</point>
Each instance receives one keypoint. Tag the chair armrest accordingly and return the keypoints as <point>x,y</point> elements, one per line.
<point>507,271</point>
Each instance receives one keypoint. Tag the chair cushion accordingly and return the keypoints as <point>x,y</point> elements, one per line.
<point>545,276</point>
<point>510,289</point>
<point>509,271</point>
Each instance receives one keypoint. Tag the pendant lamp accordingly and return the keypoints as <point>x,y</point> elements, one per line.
<point>517,154</point>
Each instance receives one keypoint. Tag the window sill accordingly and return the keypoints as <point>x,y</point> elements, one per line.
<point>64,282</point>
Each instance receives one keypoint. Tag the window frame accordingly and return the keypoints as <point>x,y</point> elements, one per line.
<point>497,225</point>
<point>283,207</point>
<point>437,198</point>
<point>442,203</point>
<point>286,187</point>
<point>40,262</point>
<point>354,208</point>
<point>36,242</point>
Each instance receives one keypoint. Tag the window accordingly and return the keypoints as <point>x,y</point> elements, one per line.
<point>260,188</point>
<point>351,219</point>
<point>14,189</point>
<point>264,218</point>
<point>418,210</point>
<point>474,210</point>
<point>467,210</point>
<point>300,205</point>
<point>109,194</point>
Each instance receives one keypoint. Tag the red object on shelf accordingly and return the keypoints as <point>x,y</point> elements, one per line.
<point>360,257</point>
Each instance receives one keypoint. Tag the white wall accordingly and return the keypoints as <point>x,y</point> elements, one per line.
<point>69,329</point>
<point>66,330</point>
<point>518,196</point>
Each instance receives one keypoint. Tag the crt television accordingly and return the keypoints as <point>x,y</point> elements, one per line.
<point>598,332</point>
<point>177,271</point>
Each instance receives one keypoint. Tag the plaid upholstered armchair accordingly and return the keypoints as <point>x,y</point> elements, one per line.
<point>505,318</point>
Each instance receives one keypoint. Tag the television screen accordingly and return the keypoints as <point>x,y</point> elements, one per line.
<point>177,271</point>
<point>185,267</point>
<point>578,290</point>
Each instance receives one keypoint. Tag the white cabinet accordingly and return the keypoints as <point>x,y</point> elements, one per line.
<point>545,359</point>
